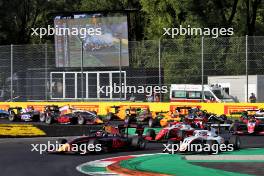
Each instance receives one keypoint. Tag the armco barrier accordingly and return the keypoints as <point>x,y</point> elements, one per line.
<point>100,107</point>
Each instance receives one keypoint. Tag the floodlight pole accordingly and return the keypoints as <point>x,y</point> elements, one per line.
<point>120,69</point>
<point>46,71</point>
<point>81,67</point>
<point>160,67</point>
<point>82,70</point>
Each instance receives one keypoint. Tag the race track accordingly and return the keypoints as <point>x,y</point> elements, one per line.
<point>16,158</point>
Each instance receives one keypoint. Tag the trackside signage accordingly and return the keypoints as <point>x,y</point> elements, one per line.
<point>228,109</point>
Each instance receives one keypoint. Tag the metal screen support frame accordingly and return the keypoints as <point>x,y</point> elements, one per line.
<point>111,84</point>
<point>87,86</point>
<point>75,86</point>
<point>98,84</point>
<point>202,65</point>
<point>63,85</point>
<point>46,71</point>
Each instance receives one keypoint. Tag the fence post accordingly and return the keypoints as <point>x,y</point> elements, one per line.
<point>11,74</point>
<point>202,67</point>
<point>160,68</point>
<point>247,68</point>
<point>120,69</point>
<point>46,72</point>
<point>82,70</point>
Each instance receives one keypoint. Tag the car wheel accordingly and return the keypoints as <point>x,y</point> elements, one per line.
<point>48,120</point>
<point>151,122</point>
<point>211,144</point>
<point>42,117</point>
<point>151,133</point>
<point>94,142</point>
<point>235,141</point>
<point>127,120</point>
<point>12,116</point>
<point>138,143</point>
<point>171,143</point>
<point>81,120</point>
<point>180,133</point>
<point>62,141</point>
<point>234,127</point>
<point>109,116</point>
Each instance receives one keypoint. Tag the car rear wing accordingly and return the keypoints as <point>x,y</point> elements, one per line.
<point>219,125</point>
<point>14,108</point>
<point>139,128</point>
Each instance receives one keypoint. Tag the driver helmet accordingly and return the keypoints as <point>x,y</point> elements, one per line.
<point>99,133</point>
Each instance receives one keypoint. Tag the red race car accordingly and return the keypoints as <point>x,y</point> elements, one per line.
<point>251,122</point>
<point>175,132</point>
<point>109,139</point>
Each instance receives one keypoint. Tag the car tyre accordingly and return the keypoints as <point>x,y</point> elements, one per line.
<point>235,141</point>
<point>62,141</point>
<point>42,117</point>
<point>80,120</point>
<point>109,116</point>
<point>48,120</point>
<point>127,120</point>
<point>212,143</point>
<point>181,133</point>
<point>94,142</point>
<point>151,122</point>
<point>12,116</point>
<point>138,143</point>
<point>151,133</point>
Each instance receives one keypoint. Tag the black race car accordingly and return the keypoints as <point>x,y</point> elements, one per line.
<point>50,112</point>
<point>69,115</point>
<point>109,139</point>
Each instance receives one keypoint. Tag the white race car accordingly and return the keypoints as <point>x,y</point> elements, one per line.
<point>209,141</point>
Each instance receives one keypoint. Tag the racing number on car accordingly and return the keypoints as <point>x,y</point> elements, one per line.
<point>117,143</point>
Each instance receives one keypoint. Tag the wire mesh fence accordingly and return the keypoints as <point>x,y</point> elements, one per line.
<point>132,71</point>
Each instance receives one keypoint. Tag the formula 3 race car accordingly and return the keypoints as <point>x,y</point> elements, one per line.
<point>108,139</point>
<point>20,114</point>
<point>251,122</point>
<point>173,116</point>
<point>4,114</point>
<point>211,141</point>
<point>69,115</point>
<point>121,112</point>
<point>175,132</point>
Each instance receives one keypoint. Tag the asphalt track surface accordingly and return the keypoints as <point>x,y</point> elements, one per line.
<point>16,158</point>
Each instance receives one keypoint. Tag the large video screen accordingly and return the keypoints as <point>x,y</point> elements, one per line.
<point>100,35</point>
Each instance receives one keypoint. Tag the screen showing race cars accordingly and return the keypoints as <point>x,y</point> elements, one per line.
<point>100,35</point>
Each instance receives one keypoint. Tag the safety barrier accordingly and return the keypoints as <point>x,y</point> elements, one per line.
<point>100,107</point>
